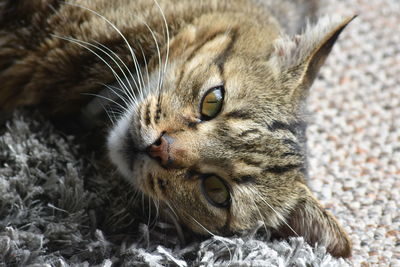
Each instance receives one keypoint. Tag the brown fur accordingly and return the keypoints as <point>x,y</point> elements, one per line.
<point>257,142</point>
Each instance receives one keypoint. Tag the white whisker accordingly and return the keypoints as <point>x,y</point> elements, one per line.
<point>280,216</point>
<point>147,71</point>
<point>259,213</point>
<point>114,90</point>
<point>158,53</point>
<point>78,42</point>
<point>149,215</point>
<point>210,233</point>
<point>118,31</point>
<point>156,206</point>
<point>174,217</point>
<point>168,40</point>
<point>130,93</point>
<point>106,98</point>
<point>108,114</point>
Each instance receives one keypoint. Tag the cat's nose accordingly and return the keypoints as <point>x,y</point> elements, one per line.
<point>160,149</point>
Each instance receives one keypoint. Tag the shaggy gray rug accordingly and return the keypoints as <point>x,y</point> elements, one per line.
<point>58,209</point>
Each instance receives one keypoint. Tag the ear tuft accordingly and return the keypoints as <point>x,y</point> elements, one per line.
<point>297,60</point>
<point>293,51</point>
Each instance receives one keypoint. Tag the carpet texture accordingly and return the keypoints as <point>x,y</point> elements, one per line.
<point>58,208</point>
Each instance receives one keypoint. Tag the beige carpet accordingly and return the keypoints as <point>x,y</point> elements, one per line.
<point>354,135</point>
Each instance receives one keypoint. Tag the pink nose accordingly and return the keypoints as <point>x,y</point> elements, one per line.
<point>160,150</point>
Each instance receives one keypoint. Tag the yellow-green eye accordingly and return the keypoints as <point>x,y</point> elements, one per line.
<point>216,191</point>
<point>212,103</point>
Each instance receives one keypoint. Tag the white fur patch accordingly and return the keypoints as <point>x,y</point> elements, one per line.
<point>116,143</point>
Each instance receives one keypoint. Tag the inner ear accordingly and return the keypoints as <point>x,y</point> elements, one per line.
<point>299,59</point>
<point>317,57</point>
<point>318,226</point>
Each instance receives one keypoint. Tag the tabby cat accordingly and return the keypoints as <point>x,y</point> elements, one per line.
<point>210,94</point>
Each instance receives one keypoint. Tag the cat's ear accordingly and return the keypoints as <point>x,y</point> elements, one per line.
<point>298,59</point>
<point>318,226</point>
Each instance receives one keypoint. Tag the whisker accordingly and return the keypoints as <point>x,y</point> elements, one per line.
<point>213,235</point>
<point>135,195</point>
<point>114,90</point>
<point>174,217</point>
<point>158,53</point>
<point>105,98</point>
<point>111,118</point>
<point>208,231</point>
<point>126,67</point>
<point>156,206</point>
<point>255,205</point>
<point>147,72</point>
<point>149,215</point>
<point>141,75</point>
<point>143,206</point>
<point>115,112</point>
<point>168,40</point>
<point>118,31</point>
<point>129,93</point>
<point>280,216</point>
<point>78,42</point>
<point>261,217</point>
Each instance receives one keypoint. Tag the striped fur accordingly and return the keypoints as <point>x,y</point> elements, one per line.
<point>256,143</point>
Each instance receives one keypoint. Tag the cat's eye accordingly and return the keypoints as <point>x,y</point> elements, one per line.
<point>211,103</point>
<point>216,191</point>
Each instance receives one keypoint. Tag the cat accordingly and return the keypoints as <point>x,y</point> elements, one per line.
<point>211,121</point>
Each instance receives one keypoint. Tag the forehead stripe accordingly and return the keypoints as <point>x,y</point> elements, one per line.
<point>193,54</point>
<point>203,43</point>
<point>239,114</point>
<point>282,169</point>
<point>220,60</point>
<point>295,127</point>
<point>245,179</point>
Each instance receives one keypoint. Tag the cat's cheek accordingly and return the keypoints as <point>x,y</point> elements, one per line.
<point>244,213</point>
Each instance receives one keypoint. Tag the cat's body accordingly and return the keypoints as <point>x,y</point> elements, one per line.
<point>216,130</point>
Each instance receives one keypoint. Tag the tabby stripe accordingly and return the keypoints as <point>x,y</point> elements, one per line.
<point>295,127</point>
<point>200,46</point>
<point>179,80</point>
<point>251,162</point>
<point>246,179</point>
<point>223,131</point>
<point>239,114</point>
<point>147,114</point>
<point>288,154</point>
<point>295,146</point>
<point>193,54</point>
<point>220,60</point>
<point>247,132</point>
<point>158,110</point>
<point>192,125</point>
<point>282,169</point>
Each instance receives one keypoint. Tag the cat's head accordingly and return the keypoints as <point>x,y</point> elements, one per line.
<point>220,140</point>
